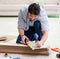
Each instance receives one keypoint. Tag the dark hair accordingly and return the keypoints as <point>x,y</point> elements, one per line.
<point>34,9</point>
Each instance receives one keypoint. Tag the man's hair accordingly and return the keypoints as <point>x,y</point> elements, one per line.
<point>34,9</point>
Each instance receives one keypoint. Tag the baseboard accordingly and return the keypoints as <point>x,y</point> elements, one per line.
<point>49,16</point>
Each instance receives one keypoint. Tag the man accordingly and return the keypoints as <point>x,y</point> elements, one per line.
<point>33,25</point>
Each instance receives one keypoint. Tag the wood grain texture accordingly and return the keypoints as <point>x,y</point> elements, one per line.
<point>3,38</point>
<point>23,50</point>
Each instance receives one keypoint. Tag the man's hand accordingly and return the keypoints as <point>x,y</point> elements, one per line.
<point>39,43</point>
<point>25,39</point>
<point>43,39</point>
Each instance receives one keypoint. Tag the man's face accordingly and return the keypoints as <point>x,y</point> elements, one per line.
<point>32,16</point>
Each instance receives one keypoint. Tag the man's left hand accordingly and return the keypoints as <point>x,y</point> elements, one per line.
<point>39,43</point>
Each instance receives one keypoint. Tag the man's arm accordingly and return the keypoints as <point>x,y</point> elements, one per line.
<point>44,37</point>
<point>45,27</point>
<point>21,26</point>
<point>21,31</point>
<point>23,37</point>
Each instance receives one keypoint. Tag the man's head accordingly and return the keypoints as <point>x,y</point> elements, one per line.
<point>33,11</point>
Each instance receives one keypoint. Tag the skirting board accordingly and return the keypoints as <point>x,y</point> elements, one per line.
<point>23,50</point>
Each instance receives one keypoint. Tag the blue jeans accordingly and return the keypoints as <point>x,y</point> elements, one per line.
<point>33,33</point>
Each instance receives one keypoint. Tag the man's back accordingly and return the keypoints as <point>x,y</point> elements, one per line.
<point>42,17</point>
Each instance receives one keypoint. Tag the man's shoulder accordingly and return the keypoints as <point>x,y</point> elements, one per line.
<point>42,8</point>
<point>24,9</point>
<point>42,12</point>
<point>23,12</point>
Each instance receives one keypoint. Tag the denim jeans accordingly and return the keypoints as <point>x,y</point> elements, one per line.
<point>33,33</point>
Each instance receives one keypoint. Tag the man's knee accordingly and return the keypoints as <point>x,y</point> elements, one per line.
<point>37,37</point>
<point>37,22</point>
<point>37,26</point>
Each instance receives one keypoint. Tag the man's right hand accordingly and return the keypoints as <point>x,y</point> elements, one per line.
<point>24,38</point>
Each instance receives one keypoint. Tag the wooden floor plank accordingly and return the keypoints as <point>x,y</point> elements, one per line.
<point>23,50</point>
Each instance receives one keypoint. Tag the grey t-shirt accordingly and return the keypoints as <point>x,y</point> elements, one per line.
<point>31,23</point>
<point>24,22</point>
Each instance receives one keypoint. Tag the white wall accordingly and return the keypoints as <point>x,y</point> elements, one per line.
<point>52,6</point>
<point>12,7</point>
